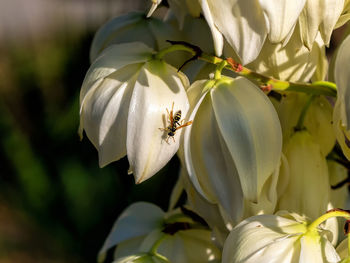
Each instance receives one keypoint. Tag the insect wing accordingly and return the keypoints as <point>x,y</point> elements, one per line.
<point>184,125</point>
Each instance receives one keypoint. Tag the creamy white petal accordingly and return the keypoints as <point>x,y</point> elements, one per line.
<point>242,23</point>
<point>342,79</point>
<point>135,27</point>
<point>274,185</point>
<point>319,15</point>
<point>208,211</point>
<point>104,34</point>
<point>317,249</point>
<point>157,87</point>
<point>216,34</point>
<point>332,11</point>
<point>342,249</point>
<point>137,220</point>
<point>112,59</point>
<point>322,64</point>
<point>264,238</point>
<point>342,133</point>
<point>154,6</point>
<point>310,250</point>
<point>126,248</point>
<point>310,20</point>
<point>292,62</point>
<point>209,163</point>
<point>238,106</point>
<point>104,113</point>
<point>341,115</point>
<point>282,15</point>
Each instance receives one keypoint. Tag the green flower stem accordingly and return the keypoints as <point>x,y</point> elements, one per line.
<point>219,68</point>
<point>317,88</point>
<point>154,248</point>
<point>300,124</point>
<point>332,213</point>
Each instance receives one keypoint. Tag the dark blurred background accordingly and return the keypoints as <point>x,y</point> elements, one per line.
<point>56,204</point>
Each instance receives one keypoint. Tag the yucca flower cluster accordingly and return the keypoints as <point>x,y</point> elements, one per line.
<point>243,93</point>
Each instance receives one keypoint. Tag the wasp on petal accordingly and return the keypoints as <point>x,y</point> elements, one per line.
<point>175,123</point>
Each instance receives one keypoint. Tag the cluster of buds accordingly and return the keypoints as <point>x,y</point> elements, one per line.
<point>240,94</point>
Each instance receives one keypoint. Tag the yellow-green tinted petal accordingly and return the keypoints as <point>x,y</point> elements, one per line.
<point>307,165</point>
<point>292,62</point>
<point>137,220</point>
<point>318,119</point>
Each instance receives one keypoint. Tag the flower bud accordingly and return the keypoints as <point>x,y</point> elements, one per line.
<point>225,147</point>
<point>307,165</point>
<point>318,119</point>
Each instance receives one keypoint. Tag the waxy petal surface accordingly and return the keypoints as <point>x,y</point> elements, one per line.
<point>112,59</point>
<point>157,87</point>
<point>208,161</point>
<point>105,111</point>
<point>241,22</point>
<point>238,106</point>
<point>216,34</point>
<point>137,220</point>
<point>282,16</point>
<point>341,114</point>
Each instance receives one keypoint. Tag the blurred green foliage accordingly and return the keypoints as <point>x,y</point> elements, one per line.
<point>50,182</point>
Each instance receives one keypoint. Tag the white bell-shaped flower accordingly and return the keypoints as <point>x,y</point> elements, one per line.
<point>341,116</point>
<point>283,238</point>
<point>225,148</point>
<point>124,101</point>
<point>142,225</point>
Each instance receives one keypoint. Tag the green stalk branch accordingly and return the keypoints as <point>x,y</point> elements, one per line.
<point>317,88</point>
<point>300,124</point>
